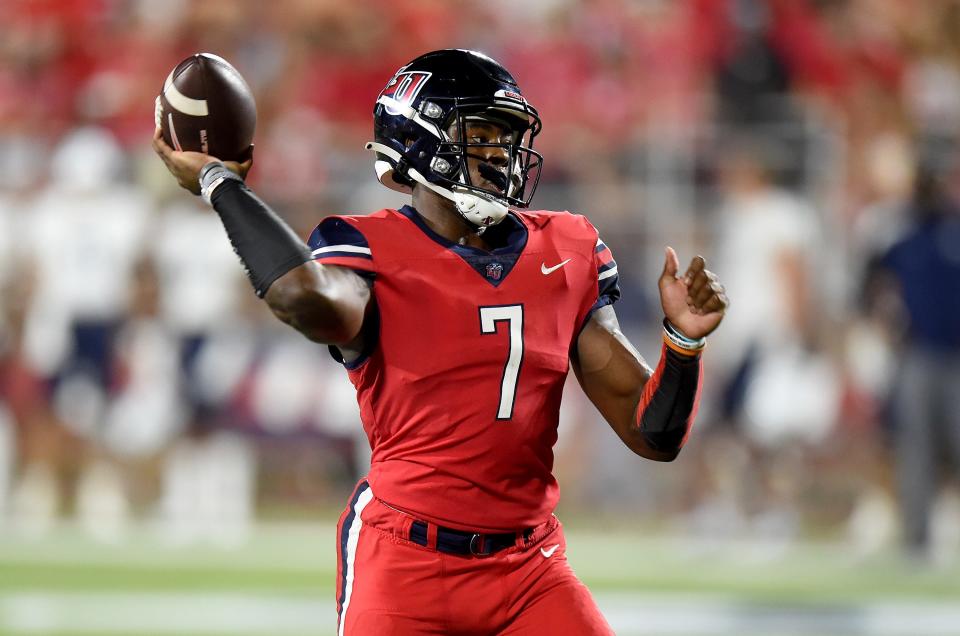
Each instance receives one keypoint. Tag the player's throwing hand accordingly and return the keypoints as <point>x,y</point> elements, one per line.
<point>694,303</point>
<point>186,165</point>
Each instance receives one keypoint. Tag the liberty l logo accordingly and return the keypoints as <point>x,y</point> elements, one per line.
<point>404,88</point>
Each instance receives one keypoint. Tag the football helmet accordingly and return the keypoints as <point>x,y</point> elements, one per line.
<point>418,119</point>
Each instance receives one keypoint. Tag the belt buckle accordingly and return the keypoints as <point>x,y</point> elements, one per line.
<point>479,539</point>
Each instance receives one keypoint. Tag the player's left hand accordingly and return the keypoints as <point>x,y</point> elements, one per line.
<point>185,165</point>
<point>694,303</point>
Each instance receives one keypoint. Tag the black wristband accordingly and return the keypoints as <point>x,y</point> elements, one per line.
<point>265,244</point>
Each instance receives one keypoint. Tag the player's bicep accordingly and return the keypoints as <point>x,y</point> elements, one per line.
<point>326,303</point>
<point>609,368</point>
<point>328,299</point>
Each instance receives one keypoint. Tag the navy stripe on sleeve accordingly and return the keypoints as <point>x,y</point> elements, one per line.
<point>337,237</point>
<point>608,278</point>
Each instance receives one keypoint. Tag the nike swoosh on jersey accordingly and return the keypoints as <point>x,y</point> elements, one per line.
<point>548,552</point>
<point>549,270</point>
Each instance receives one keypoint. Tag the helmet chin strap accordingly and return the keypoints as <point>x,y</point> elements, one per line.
<point>479,210</point>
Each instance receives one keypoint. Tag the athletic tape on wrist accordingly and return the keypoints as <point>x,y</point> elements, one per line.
<point>212,177</point>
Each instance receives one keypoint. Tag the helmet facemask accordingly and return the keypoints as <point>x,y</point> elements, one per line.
<point>497,142</point>
<point>505,167</point>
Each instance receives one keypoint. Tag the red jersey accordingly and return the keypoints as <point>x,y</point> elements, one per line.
<point>460,389</point>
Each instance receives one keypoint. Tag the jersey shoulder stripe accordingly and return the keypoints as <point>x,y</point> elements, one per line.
<point>607,271</point>
<point>608,278</point>
<point>606,266</point>
<point>335,235</point>
<point>337,241</point>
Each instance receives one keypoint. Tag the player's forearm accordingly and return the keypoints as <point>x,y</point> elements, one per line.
<point>654,414</point>
<point>668,403</point>
<point>324,303</point>
<point>265,244</point>
<point>650,410</point>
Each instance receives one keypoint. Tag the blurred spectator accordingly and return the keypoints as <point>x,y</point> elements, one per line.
<point>923,270</point>
<point>199,293</point>
<point>204,342</point>
<point>767,243</point>
<point>36,441</point>
<point>146,409</point>
<point>207,490</point>
<point>752,77</point>
<point>86,232</point>
<point>84,235</point>
<point>775,388</point>
<point>208,473</point>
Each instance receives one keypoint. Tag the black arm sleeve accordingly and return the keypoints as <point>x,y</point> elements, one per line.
<point>265,244</point>
<point>669,401</point>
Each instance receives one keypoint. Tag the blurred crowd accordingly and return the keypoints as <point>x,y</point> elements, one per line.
<point>806,147</point>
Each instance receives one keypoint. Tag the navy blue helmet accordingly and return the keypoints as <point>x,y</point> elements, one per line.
<point>440,92</point>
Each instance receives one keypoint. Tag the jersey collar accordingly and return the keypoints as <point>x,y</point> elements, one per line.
<point>494,266</point>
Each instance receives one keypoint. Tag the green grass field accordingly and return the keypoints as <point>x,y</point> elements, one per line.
<point>281,582</point>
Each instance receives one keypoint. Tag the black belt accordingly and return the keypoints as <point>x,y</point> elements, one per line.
<point>466,543</point>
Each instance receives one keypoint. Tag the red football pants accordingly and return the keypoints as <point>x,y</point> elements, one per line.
<point>389,585</point>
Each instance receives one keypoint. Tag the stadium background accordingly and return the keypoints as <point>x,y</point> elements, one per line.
<point>172,459</point>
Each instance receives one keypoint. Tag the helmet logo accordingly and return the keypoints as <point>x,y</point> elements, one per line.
<point>404,87</point>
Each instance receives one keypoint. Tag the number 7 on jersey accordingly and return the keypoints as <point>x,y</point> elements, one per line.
<point>513,316</point>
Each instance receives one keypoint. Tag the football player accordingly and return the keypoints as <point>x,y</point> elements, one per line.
<point>457,318</point>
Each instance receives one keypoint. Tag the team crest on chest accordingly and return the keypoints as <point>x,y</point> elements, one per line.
<point>494,271</point>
